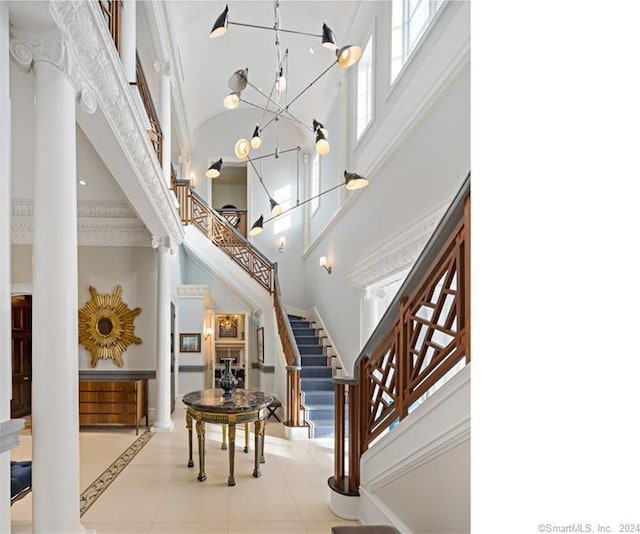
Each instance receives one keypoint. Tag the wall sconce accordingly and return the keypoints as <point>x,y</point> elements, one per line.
<point>281,243</point>
<point>208,332</point>
<point>323,263</point>
<point>192,178</point>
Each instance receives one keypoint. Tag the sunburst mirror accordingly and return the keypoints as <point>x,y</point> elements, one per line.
<point>106,326</point>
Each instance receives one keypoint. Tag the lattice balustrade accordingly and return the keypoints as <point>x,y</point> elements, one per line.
<point>433,318</point>
<point>381,378</point>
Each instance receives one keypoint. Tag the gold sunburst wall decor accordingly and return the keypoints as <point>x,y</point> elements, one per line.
<point>106,326</point>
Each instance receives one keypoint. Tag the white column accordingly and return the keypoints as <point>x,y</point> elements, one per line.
<point>5,259</point>
<point>163,422</point>
<point>56,470</point>
<point>163,68</point>
<point>128,40</point>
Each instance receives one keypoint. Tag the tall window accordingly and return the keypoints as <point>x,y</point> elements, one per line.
<point>315,183</point>
<point>409,20</point>
<point>364,101</point>
<point>283,197</point>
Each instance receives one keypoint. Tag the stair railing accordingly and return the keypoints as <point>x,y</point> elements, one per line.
<point>194,210</point>
<point>155,132</point>
<point>111,11</point>
<point>423,334</point>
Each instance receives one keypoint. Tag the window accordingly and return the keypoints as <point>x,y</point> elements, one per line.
<point>283,197</point>
<point>364,99</point>
<point>315,183</point>
<point>409,20</point>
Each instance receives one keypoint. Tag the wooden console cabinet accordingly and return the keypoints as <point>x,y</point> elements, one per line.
<point>113,402</point>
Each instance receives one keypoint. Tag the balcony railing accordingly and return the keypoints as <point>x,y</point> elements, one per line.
<point>154,132</point>
<point>236,218</point>
<point>194,210</point>
<point>111,12</point>
<point>422,336</point>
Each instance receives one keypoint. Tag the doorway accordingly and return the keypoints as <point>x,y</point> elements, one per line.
<point>21,355</point>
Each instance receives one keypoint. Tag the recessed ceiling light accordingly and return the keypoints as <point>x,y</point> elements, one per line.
<point>260,89</point>
<point>312,50</point>
<point>82,182</point>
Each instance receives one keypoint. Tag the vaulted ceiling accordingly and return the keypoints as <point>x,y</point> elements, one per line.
<point>205,64</point>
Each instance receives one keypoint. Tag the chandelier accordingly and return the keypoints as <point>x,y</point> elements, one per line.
<point>276,105</point>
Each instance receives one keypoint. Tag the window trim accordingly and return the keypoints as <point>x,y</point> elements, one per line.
<point>358,138</point>
<point>419,44</point>
<point>313,209</point>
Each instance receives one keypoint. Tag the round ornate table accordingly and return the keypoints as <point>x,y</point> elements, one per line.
<point>209,406</point>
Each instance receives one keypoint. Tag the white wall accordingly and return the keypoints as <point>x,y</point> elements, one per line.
<point>414,167</point>
<point>429,451</point>
<point>191,318</point>
<point>135,269</point>
<point>216,138</point>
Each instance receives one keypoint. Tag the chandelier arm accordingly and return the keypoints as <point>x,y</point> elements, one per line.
<point>260,178</point>
<point>256,26</point>
<point>240,163</point>
<point>309,86</point>
<point>291,117</point>
<point>305,202</point>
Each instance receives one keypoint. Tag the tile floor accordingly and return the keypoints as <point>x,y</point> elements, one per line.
<point>157,492</point>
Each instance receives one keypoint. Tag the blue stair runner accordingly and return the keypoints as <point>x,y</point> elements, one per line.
<point>315,378</point>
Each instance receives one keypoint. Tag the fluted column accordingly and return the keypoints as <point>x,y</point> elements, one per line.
<point>128,40</point>
<point>56,451</point>
<point>163,69</point>
<point>163,422</point>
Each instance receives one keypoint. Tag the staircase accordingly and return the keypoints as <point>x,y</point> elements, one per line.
<point>316,379</point>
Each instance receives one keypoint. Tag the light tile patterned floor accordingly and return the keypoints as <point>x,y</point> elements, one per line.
<point>157,492</point>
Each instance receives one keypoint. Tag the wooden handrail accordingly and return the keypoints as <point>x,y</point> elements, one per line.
<point>194,210</point>
<point>155,132</point>
<point>111,11</point>
<point>424,333</point>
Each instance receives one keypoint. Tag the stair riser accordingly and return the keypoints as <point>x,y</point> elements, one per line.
<point>319,398</point>
<point>304,332</point>
<point>326,415</point>
<point>316,385</point>
<point>310,349</point>
<point>307,340</point>
<point>316,372</point>
<point>323,432</point>
<point>314,361</point>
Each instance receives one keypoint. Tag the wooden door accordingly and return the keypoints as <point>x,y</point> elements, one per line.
<point>21,355</point>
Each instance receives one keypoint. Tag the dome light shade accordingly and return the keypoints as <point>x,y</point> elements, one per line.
<point>257,227</point>
<point>238,80</point>
<point>348,55</point>
<point>354,181</point>
<point>255,139</point>
<point>242,148</point>
<point>322,145</point>
<point>232,100</point>
<point>214,169</point>
<point>276,209</point>
<point>328,37</point>
<point>220,26</point>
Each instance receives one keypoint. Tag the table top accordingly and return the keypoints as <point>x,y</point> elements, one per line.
<point>211,400</point>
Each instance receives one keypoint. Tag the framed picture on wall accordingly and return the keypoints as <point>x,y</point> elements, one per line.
<point>261,344</point>
<point>189,342</point>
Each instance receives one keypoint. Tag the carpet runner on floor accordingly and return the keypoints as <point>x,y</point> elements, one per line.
<point>316,379</point>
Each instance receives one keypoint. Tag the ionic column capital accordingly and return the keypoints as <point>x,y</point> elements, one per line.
<point>52,47</point>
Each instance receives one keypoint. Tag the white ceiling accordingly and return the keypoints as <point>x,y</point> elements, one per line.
<point>206,64</point>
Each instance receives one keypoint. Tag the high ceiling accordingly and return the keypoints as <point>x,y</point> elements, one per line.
<point>206,64</point>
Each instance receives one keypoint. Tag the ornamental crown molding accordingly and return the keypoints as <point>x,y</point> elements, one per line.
<point>93,49</point>
<point>193,290</point>
<point>399,252</point>
<point>86,208</point>
<point>96,232</point>
<point>28,48</point>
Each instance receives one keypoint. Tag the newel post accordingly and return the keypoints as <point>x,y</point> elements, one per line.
<point>345,481</point>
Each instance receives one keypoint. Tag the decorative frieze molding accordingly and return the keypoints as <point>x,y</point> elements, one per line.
<point>193,290</point>
<point>52,47</point>
<point>399,252</point>
<point>91,45</point>
<point>98,233</point>
<point>86,208</point>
